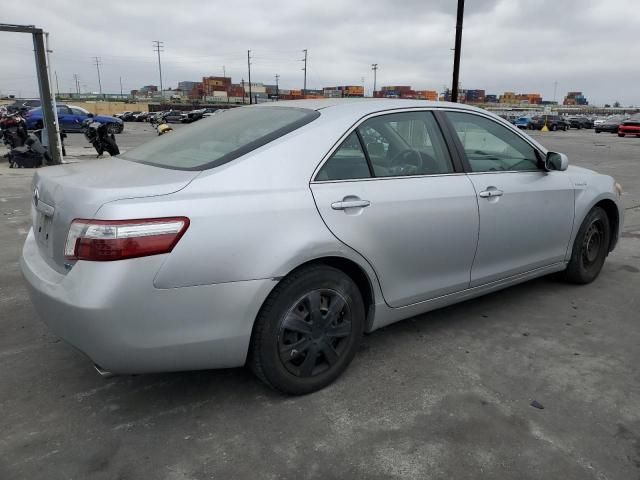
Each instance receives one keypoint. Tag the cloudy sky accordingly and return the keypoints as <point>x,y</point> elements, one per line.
<point>517,45</point>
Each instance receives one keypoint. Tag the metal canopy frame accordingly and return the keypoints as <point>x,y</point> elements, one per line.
<point>51,134</point>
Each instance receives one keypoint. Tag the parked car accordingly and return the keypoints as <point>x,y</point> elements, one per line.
<point>192,116</point>
<point>120,115</point>
<point>71,117</point>
<point>274,236</point>
<point>553,122</point>
<point>580,122</point>
<point>631,126</point>
<point>23,105</point>
<point>129,116</point>
<point>141,117</point>
<point>610,125</point>
<point>524,122</point>
<point>174,116</point>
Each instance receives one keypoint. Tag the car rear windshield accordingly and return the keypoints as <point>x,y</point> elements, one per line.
<point>216,140</point>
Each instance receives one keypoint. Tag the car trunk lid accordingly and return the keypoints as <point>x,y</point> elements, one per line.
<point>63,193</point>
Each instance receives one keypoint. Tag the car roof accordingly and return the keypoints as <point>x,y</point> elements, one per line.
<point>363,106</point>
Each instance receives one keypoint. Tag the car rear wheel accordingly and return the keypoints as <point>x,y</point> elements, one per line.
<point>590,248</point>
<point>114,128</point>
<point>554,127</point>
<point>308,330</point>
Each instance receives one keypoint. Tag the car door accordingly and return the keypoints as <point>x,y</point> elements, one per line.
<point>79,116</point>
<point>66,118</point>
<point>526,212</point>
<point>390,191</point>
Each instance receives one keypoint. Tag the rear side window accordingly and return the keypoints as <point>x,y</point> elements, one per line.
<point>347,162</point>
<point>219,139</point>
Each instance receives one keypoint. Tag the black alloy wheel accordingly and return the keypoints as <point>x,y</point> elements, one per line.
<point>308,330</point>
<point>590,247</point>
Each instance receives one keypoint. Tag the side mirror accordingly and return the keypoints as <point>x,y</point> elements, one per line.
<point>556,161</point>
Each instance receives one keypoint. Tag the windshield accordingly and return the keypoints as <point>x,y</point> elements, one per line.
<point>219,139</point>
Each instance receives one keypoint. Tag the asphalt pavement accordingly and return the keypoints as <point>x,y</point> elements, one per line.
<point>443,395</point>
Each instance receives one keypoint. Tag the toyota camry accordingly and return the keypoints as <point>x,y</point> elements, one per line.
<point>276,235</point>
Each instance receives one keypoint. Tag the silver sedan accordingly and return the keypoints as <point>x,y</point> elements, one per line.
<point>276,235</point>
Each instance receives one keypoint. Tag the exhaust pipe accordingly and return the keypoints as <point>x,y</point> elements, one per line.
<point>103,373</point>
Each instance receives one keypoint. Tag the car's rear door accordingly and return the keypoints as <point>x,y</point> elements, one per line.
<point>526,213</point>
<point>392,191</point>
<point>66,118</point>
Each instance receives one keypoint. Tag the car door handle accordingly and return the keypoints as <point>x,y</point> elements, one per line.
<point>490,193</point>
<point>350,204</point>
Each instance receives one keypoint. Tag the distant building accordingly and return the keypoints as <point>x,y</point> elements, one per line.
<point>509,97</point>
<point>343,91</point>
<point>186,86</point>
<point>474,96</point>
<point>575,98</point>
<point>405,91</point>
<point>491,98</point>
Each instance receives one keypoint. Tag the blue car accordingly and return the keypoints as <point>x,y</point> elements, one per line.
<point>524,122</point>
<point>71,119</point>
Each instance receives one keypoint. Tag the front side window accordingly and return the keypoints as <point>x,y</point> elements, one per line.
<point>219,139</point>
<point>79,111</point>
<point>491,147</point>
<point>402,144</point>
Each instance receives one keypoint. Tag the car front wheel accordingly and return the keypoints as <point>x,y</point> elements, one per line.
<point>590,247</point>
<point>114,128</point>
<point>308,330</point>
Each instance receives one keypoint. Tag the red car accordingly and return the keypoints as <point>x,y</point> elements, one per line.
<point>630,127</point>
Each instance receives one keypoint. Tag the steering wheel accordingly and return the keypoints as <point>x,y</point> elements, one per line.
<point>407,158</point>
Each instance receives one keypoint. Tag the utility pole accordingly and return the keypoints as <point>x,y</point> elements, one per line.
<point>456,55</point>
<point>277,87</point>
<point>555,88</point>
<point>75,79</point>
<point>98,63</point>
<point>304,88</point>
<point>121,86</point>
<point>158,47</point>
<point>57,86</point>
<point>249,67</point>
<point>244,93</point>
<point>374,67</point>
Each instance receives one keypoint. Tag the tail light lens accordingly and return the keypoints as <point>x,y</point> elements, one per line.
<point>107,240</point>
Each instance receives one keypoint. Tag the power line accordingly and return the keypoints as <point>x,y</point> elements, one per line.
<point>159,47</point>
<point>98,63</point>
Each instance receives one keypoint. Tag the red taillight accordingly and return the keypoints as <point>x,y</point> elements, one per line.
<point>106,240</point>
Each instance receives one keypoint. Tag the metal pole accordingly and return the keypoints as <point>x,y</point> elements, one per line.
<point>374,67</point>
<point>249,66</point>
<point>244,93</point>
<point>456,55</point>
<point>48,112</point>
<point>158,45</point>
<point>53,98</point>
<point>121,87</point>
<point>277,87</point>
<point>57,86</point>
<point>97,60</point>
<point>304,89</point>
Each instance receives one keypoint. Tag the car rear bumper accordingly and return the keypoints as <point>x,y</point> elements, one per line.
<point>112,313</point>
<point>627,130</point>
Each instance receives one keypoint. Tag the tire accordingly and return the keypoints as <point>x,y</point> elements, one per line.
<point>295,353</point>
<point>621,134</point>
<point>554,127</point>
<point>113,128</point>
<point>590,248</point>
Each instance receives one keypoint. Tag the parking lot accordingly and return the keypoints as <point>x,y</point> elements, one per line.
<point>442,395</point>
